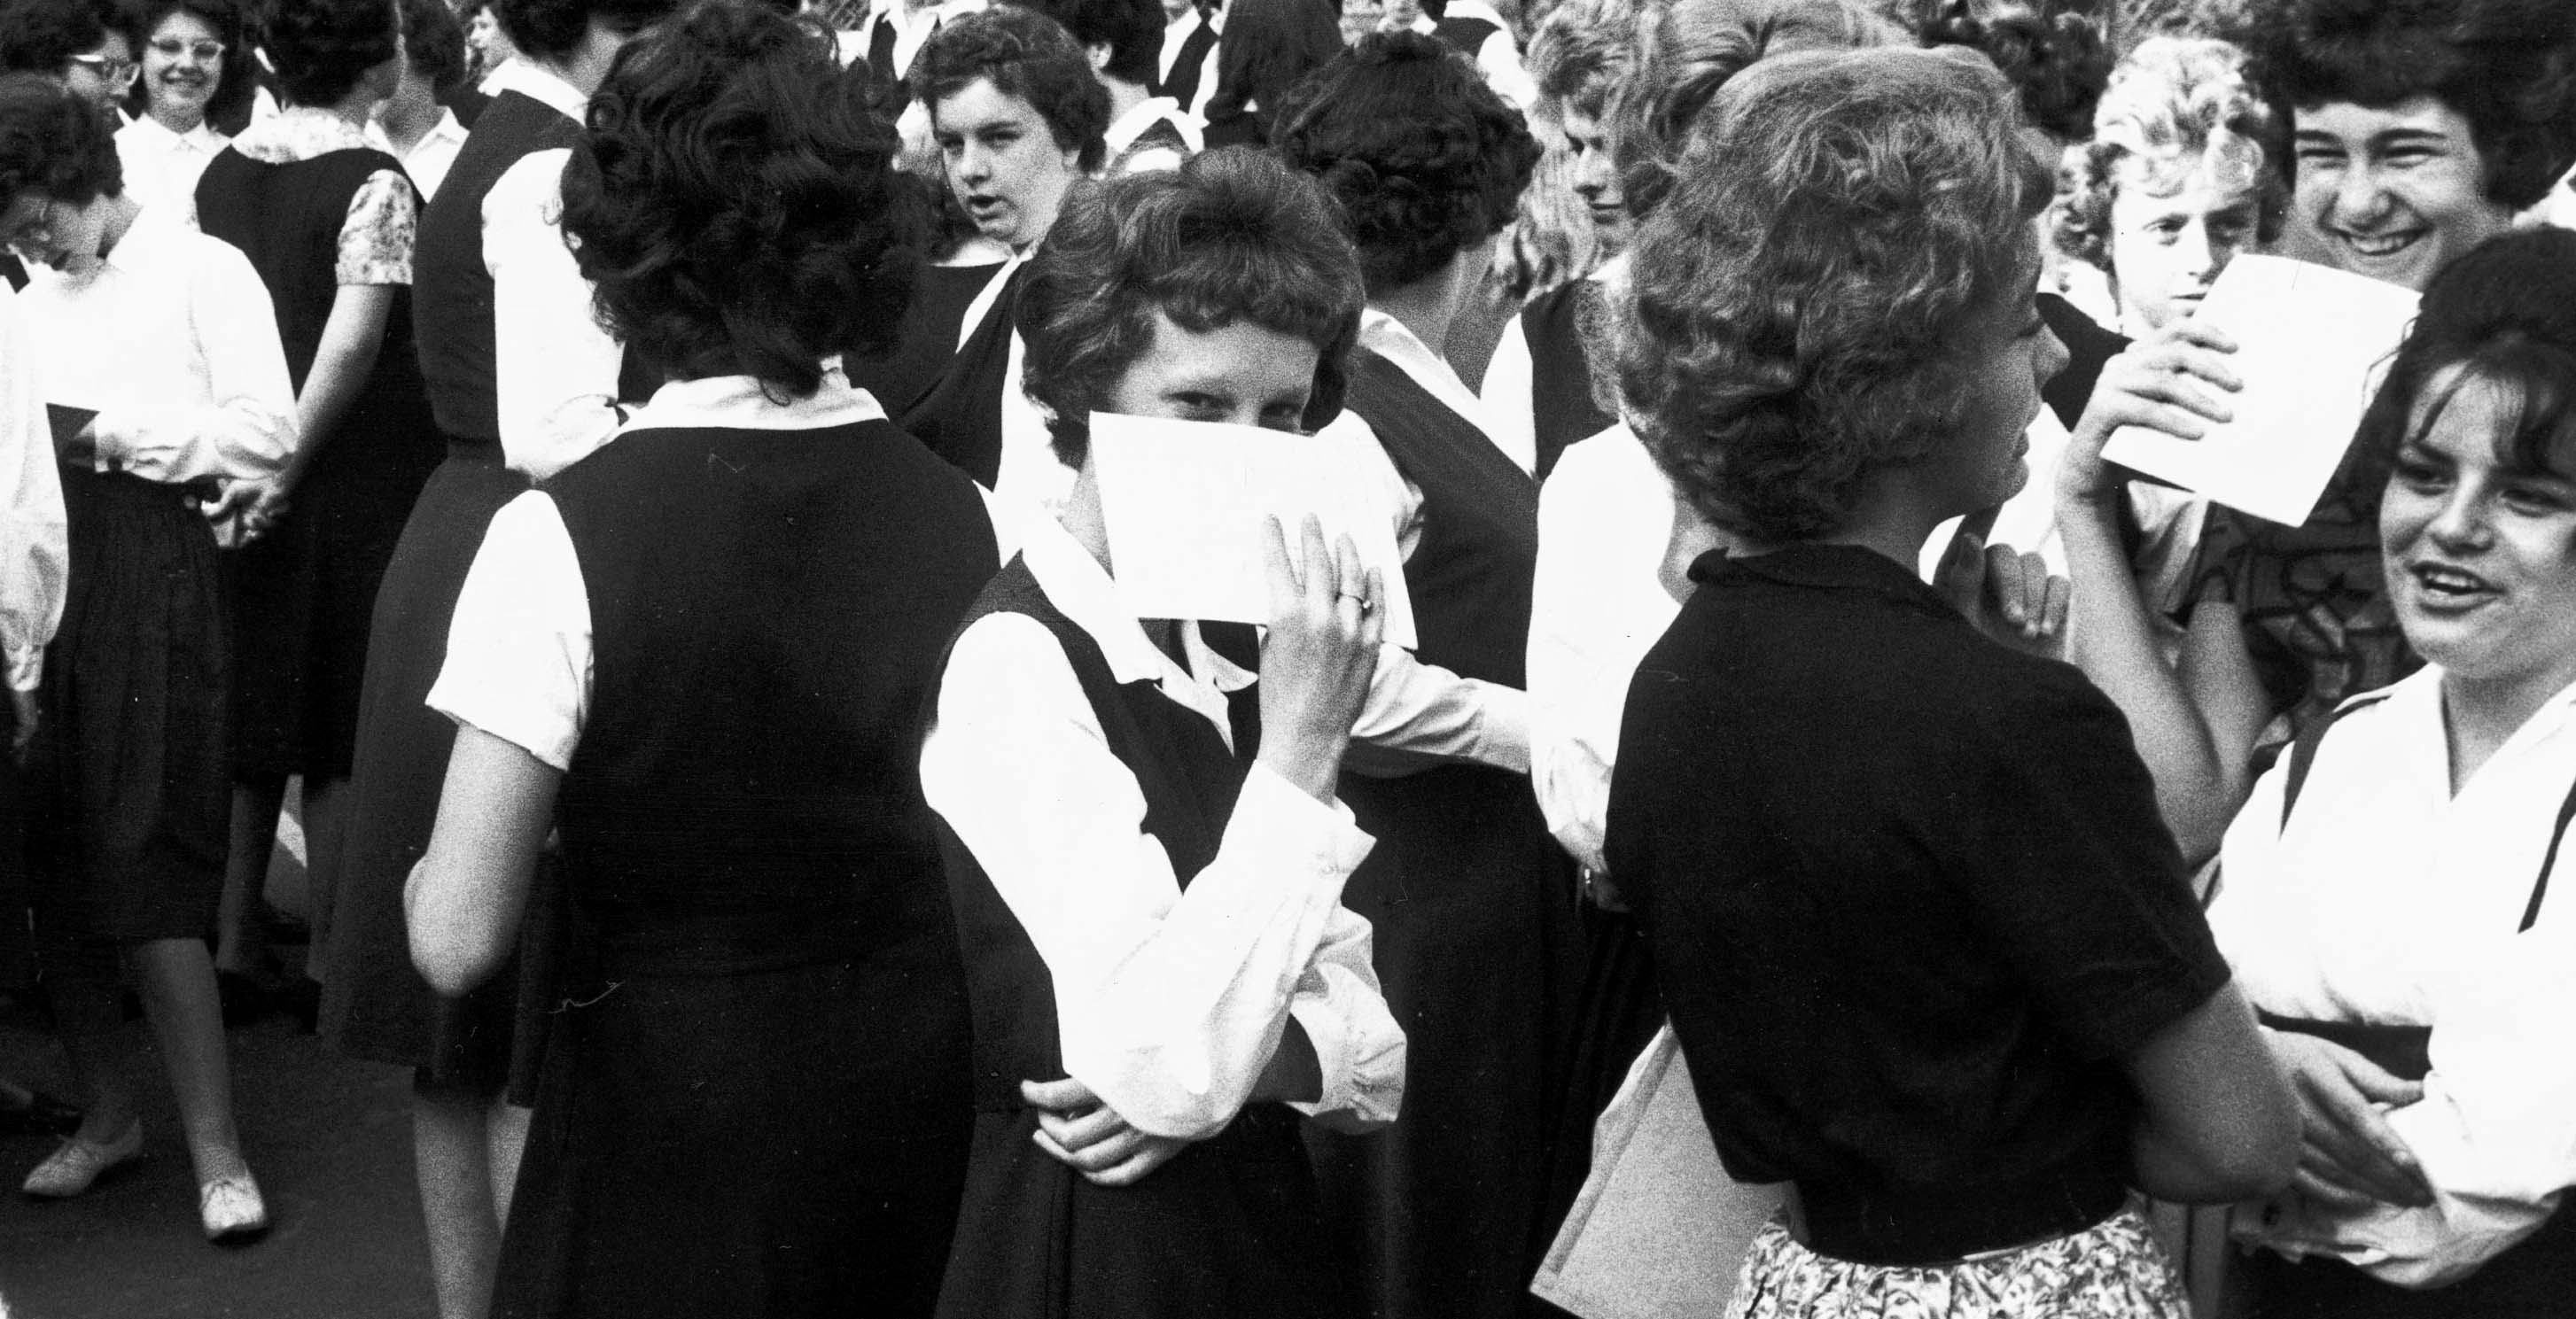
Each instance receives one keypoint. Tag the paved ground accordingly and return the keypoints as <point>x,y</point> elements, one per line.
<point>330,1140</point>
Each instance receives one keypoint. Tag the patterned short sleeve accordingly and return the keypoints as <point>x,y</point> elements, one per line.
<point>376,240</point>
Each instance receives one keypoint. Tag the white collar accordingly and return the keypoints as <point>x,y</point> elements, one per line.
<point>298,133</point>
<point>1391,339</point>
<point>546,85</point>
<point>1477,9</point>
<point>201,138</point>
<point>737,403</point>
<point>1083,592</point>
<point>1123,132</point>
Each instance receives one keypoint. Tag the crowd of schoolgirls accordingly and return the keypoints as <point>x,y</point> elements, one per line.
<point>612,483</point>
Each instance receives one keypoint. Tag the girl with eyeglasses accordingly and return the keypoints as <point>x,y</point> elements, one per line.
<point>194,93</point>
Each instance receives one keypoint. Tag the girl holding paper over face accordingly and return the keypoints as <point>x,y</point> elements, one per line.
<point>1160,971</point>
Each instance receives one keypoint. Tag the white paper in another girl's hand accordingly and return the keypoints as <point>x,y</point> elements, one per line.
<point>2312,345</point>
<point>1185,504</point>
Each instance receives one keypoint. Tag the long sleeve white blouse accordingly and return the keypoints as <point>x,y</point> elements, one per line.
<point>2389,899</point>
<point>35,554</point>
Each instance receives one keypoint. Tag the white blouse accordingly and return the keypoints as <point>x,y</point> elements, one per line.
<point>162,167</point>
<point>429,158</point>
<point>172,341</point>
<point>1169,1002</point>
<point>35,555</point>
<point>555,368</point>
<point>2388,899</point>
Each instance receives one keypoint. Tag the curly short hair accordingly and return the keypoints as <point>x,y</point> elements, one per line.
<point>320,49</point>
<point>1793,318</point>
<point>2056,61</point>
<point>2174,104</point>
<point>1026,54</point>
<point>237,73</point>
<point>2504,312</point>
<point>54,144</point>
<point>732,202</point>
<point>1233,235</point>
<point>1423,158</point>
<point>1690,53</point>
<point>553,29</point>
<point>41,36</point>
<point>2507,66</point>
<point>1132,29</point>
<point>434,44</point>
<point>1582,51</point>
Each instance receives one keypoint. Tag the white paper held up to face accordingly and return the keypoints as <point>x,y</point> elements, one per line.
<point>1185,502</point>
<point>2312,344</point>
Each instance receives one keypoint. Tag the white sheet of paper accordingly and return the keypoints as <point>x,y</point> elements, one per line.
<point>1185,503</point>
<point>2312,345</point>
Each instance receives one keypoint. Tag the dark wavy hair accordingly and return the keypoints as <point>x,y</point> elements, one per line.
<point>553,29</point>
<point>732,202</point>
<point>1423,158</point>
<point>54,144</point>
<point>320,49</point>
<point>2507,66</point>
<point>41,36</point>
<point>2503,313</point>
<point>1026,54</point>
<point>1132,29</point>
<point>236,74</point>
<point>2057,61</point>
<point>1231,236</point>
<point>1691,51</point>
<point>434,44</point>
<point>1793,320</point>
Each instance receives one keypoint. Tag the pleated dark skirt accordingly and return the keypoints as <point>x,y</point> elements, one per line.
<point>1479,946</point>
<point>780,1144</point>
<point>374,1005</point>
<point>131,794</point>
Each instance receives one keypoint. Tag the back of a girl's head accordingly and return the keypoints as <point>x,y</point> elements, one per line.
<point>53,143</point>
<point>1692,50</point>
<point>1231,236</point>
<point>732,204</point>
<point>1423,158</point>
<point>2506,66</point>
<point>434,43</point>
<point>2056,61</point>
<point>554,29</point>
<point>322,49</point>
<point>2505,313</point>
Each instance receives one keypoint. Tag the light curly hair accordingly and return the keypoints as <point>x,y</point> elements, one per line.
<point>1793,322</point>
<point>2175,105</point>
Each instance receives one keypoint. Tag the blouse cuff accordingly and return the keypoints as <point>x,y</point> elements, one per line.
<point>1359,1051</point>
<point>1502,728</point>
<point>1273,818</point>
<point>26,667</point>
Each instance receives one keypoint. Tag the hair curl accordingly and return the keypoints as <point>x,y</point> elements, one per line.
<point>2503,313</point>
<point>1423,158</point>
<point>434,44</point>
<point>1233,235</point>
<point>553,29</point>
<point>732,203</point>
<point>1793,319</point>
<point>1132,29</point>
<point>2175,105</point>
<point>1026,54</point>
<point>2056,61</point>
<point>1691,52</point>
<point>54,144</point>
<point>236,74</point>
<point>321,49</point>
<point>2506,66</point>
<point>1582,51</point>
<point>42,36</point>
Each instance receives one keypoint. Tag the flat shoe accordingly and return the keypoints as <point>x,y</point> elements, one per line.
<point>77,1163</point>
<point>231,1209</point>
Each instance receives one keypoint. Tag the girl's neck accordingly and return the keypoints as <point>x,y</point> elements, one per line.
<point>405,122</point>
<point>121,210</point>
<point>1427,306</point>
<point>2480,715</point>
<point>175,121</point>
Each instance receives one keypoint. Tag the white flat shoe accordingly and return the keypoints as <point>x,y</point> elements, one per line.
<point>75,1164</point>
<point>231,1209</point>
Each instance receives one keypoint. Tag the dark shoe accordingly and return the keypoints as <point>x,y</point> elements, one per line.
<point>300,998</point>
<point>41,1113</point>
<point>245,998</point>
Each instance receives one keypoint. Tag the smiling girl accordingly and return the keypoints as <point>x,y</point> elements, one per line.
<point>197,83</point>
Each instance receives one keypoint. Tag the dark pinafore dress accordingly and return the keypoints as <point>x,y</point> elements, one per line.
<point>2536,1279</point>
<point>1229,1227</point>
<point>961,417</point>
<point>1477,938</point>
<point>1563,408</point>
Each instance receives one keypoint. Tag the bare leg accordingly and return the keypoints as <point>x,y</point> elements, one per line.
<point>237,937</point>
<point>509,1136</point>
<point>177,981</point>
<point>451,1151</point>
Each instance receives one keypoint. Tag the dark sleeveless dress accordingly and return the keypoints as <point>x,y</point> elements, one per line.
<point>374,1005</point>
<point>303,595</point>
<point>755,1098</point>
<point>1478,942</point>
<point>961,417</point>
<point>1229,1227</point>
<point>1563,407</point>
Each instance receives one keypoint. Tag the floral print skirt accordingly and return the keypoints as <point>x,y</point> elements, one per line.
<point>2112,1270</point>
